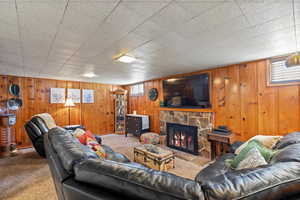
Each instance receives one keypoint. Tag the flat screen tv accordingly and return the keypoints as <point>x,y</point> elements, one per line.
<point>187,92</point>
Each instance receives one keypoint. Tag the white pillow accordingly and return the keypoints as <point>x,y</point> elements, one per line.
<point>267,140</point>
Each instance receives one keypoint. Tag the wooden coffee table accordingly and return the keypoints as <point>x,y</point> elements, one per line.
<point>163,160</point>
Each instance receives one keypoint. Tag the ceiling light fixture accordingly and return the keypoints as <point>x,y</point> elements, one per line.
<point>126,59</point>
<point>294,59</point>
<point>89,75</point>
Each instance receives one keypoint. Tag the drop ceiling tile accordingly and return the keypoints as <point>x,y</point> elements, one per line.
<point>8,13</point>
<point>223,12</point>
<point>150,30</point>
<point>191,29</point>
<point>197,8</point>
<point>146,8</point>
<point>172,16</point>
<point>271,11</point>
<point>95,10</point>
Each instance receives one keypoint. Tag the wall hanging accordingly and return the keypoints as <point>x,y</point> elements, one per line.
<point>57,95</point>
<point>14,103</point>
<point>14,90</point>
<point>153,94</point>
<point>74,94</point>
<point>87,96</point>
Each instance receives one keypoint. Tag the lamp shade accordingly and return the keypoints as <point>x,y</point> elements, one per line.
<point>293,60</point>
<point>69,102</point>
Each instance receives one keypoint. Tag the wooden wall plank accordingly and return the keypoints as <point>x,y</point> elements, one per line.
<point>233,101</point>
<point>267,103</point>
<point>249,108</point>
<point>288,109</point>
<point>219,96</point>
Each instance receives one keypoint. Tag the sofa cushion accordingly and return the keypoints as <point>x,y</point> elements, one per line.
<point>290,153</point>
<point>69,150</point>
<point>268,141</point>
<point>292,138</point>
<point>264,182</point>
<point>265,152</point>
<point>253,159</point>
<point>215,169</point>
<point>139,183</point>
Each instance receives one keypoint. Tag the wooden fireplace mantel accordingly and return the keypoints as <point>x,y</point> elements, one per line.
<point>186,109</point>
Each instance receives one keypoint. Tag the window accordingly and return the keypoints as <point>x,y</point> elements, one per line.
<point>137,90</point>
<point>279,74</point>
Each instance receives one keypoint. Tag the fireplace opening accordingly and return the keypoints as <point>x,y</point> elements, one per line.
<point>182,137</point>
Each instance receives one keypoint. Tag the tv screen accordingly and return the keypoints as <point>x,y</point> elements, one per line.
<point>187,92</point>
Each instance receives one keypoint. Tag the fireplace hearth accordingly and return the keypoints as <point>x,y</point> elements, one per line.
<point>183,137</point>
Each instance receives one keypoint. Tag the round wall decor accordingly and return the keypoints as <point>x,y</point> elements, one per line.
<point>14,90</point>
<point>14,103</point>
<point>153,94</point>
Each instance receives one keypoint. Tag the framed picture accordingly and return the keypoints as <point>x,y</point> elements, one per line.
<point>57,95</point>
<point>87,96</point>
<point>74,94</point>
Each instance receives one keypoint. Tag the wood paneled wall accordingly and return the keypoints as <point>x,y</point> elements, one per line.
<point>97,117</point>
<point>241,100</point>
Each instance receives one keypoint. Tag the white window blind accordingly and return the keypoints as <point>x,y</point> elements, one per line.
<point>282,74</point>
<point>137,90</point>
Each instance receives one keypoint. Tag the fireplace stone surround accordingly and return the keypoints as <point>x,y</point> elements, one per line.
<point>202,120</point>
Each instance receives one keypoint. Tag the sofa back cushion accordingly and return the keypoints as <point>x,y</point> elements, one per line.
<point>39,122</point>
<point>68,148</point>
<point>290,153</point>
<point>137,182</point>
<point>292,138</point>
<point>275,181</point>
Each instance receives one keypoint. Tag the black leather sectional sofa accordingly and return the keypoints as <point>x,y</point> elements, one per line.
<point>78,173</point>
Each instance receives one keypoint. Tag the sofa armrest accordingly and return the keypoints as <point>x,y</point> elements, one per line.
<point>276,181</point>
<point>73,127</point>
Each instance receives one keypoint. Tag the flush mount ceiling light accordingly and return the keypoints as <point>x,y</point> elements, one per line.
<point>294,59</point>
<point>126,59</point>
<point>89,75</point>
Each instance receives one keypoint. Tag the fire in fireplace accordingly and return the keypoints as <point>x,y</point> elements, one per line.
<point>182,137</point>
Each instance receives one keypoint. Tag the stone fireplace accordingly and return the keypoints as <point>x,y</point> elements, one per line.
<point>183,137</point>
<point>200,123</point>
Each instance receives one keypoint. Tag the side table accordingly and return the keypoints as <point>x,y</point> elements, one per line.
<point>224,141</point>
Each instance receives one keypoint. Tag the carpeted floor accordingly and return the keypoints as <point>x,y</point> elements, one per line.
<point>27,176</point>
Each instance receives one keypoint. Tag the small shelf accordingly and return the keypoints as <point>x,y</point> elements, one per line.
<point>187,109</point>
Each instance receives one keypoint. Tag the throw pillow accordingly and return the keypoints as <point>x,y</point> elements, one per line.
<point>265,152</point>
<point>266,140</point>
<point>93,144</point>
<point>78,132</point>
<point>252,159</point>
<point>83,137</point>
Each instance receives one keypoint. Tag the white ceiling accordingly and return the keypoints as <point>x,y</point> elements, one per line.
<point>64,39</point>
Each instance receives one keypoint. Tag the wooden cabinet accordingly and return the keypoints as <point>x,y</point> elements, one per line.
<point>137,124</point>
<point>120,110</point>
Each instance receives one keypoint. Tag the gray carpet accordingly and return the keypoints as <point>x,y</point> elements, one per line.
<point>27,176</point>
